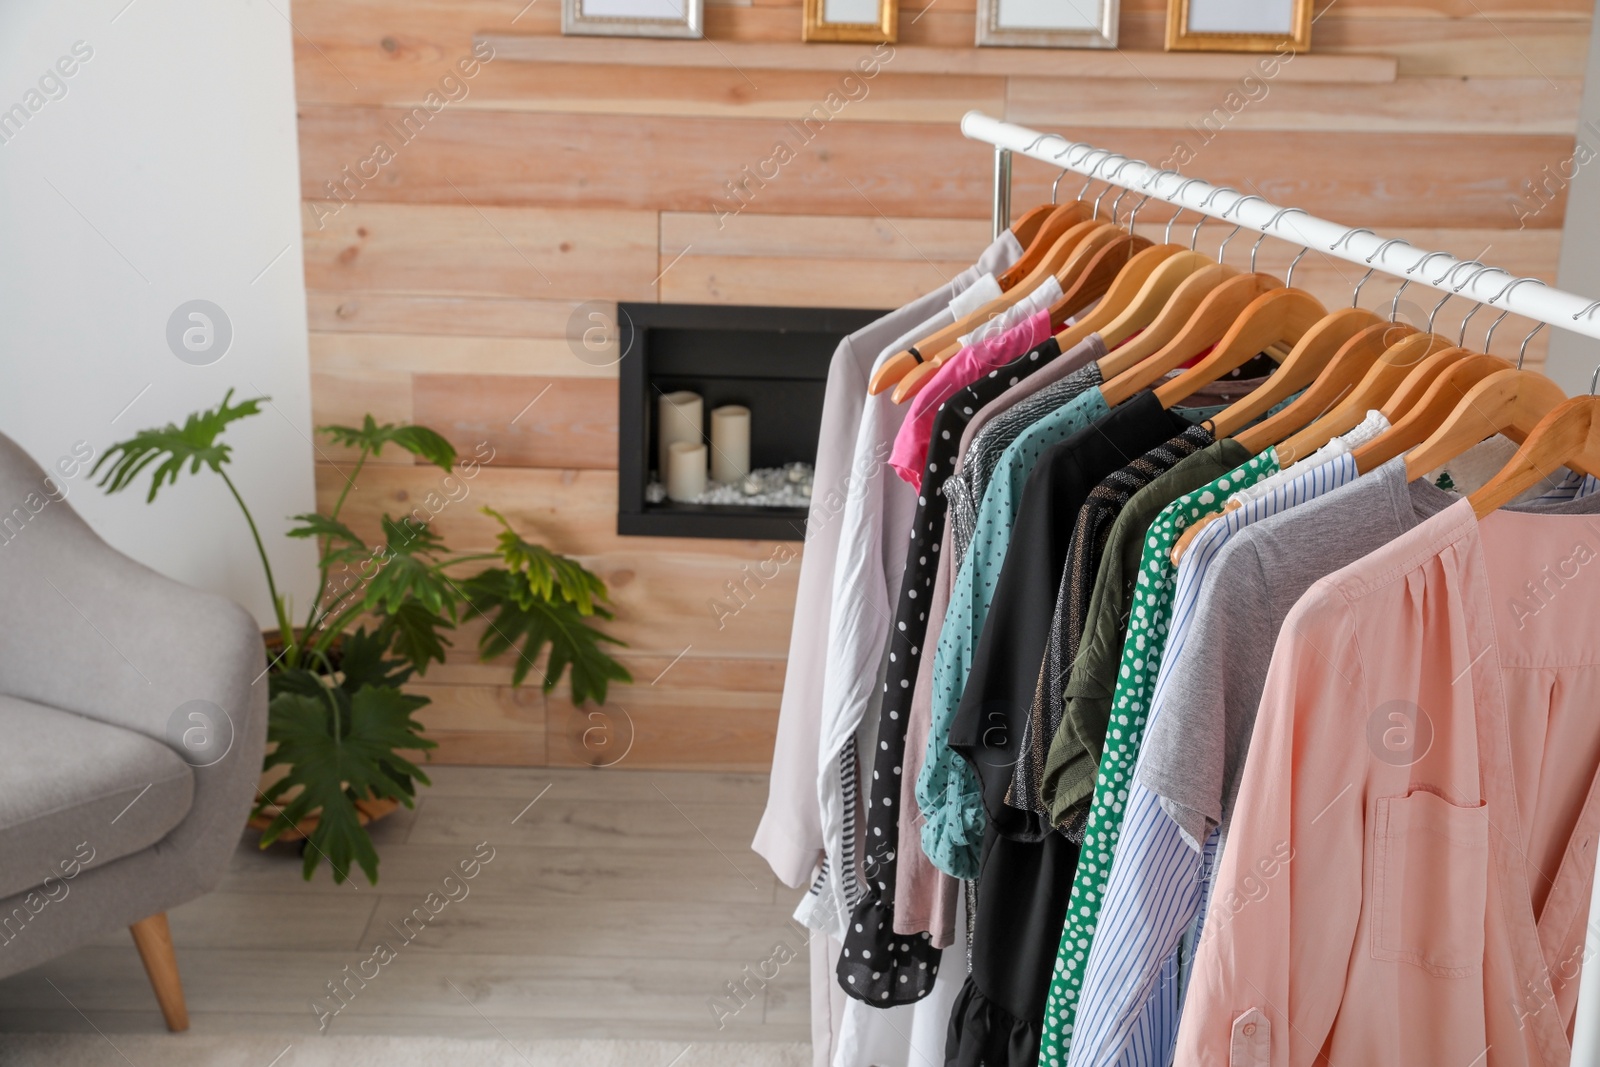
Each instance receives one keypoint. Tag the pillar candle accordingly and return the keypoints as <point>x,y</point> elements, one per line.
<point>730,443</point>
<point>678,417</point>
<point>686,469</point>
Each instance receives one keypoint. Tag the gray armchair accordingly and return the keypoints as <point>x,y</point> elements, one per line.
<point>132,721</point>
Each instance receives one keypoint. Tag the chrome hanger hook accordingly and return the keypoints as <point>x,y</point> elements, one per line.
<point>1586,311</point>
<point>1377,253</point>
<point>1355,298</point>
<point>1105,153</point>
<point>1383,250</point>
<point>1157,176</point>
<point>1173,200</point>
<point>1594,379</point>
<point>1477,305</point>
<point>1272,223</point>
<point>1444,280</point>
<point>1394,306</point>
<point>1133,213</point>
<point>1346,239</point>
<point>1109,185</point>
<point>1068,146</point>
<point>1288,280</point>
<point>1056,185</point>
<point>1145,189</point>
<point>1488,337</point>
<point>1126,189</point>
<point>1195,236</point>
<point>1115,204</point>
<point>1419,264</point>
<point>1522,353</point>
<point>1223,248</point>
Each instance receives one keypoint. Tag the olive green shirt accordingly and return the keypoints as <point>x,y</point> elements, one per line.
<point>1074,758</point>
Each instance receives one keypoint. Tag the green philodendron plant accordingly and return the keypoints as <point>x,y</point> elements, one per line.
<point>339,716</point>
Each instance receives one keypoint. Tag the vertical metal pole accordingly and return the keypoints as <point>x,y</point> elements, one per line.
<point>1002,190</point>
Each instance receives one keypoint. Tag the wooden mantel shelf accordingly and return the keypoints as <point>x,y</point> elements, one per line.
<point>914,59</point>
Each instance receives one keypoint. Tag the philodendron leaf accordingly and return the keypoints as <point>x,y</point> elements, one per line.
<point>547,575</point>
<point>340,749</point>
<point>410,576</point>
<point>417,637</point>
<point>194,443</point>
<point>364,660</point>
<point>418,440</point>
<point>340,544</point>
<point>516,614</point>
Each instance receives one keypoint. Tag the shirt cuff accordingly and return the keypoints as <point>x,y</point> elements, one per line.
<point>953,828</point>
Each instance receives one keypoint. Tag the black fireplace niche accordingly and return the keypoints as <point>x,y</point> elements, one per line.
<point>772,360</point>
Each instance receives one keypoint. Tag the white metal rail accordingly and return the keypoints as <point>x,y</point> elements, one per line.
<point>1495,286</point>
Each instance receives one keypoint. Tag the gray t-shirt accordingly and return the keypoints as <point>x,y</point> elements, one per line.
<point>1194,751</point>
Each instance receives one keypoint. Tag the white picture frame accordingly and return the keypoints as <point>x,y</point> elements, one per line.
<point>1047,23</point>
<point>633,18</point>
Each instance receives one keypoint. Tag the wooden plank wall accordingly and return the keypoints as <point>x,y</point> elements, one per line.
<point>445,283</point>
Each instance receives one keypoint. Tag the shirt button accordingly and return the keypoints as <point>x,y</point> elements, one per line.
<point>1249,1029</point>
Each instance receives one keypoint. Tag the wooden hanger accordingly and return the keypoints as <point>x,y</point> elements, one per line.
<point>1364,341</point>
<point>1170,320</point>
<point>1420,418</point>
<point>1057,219</point>
<point>1219,309</point>
<point>1343,374</point>
<point>1131,287</point>
<point>1311,356</point>
<point>1027,227</point>
<point>1567,437</point>
<point>1277,316</point>
<point>1099,274</point>
<point>1511,402</point>
<point>1121,319</point>
<point>1099,237</point>
<point>1400,360</point>
<point>1114,275</point>
<point>1056,261</point>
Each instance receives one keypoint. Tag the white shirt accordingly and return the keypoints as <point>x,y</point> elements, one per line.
<point>1045,295</point>
<point>789,837</point>
<point>875,532</point>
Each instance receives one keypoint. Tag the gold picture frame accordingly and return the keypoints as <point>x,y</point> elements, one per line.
<point>1183,37</point>
<point>884,29</point>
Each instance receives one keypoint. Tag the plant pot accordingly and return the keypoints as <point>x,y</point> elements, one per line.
<point>370,811</point>
<point>274,645</point>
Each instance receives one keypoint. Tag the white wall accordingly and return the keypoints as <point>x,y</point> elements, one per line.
<point>164,170</point>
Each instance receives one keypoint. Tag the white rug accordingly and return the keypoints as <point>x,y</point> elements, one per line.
<point>190,1050</point>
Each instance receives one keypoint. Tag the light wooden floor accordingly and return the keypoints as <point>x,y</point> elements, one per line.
<point>619,904</point>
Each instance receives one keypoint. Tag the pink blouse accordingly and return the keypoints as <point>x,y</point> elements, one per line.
<point>1407,879</point>
<point>962,369</point>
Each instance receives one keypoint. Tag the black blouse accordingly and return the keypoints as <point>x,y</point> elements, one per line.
<point>1027,873</point>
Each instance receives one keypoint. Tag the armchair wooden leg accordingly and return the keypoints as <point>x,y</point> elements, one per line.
<point>154,941</point>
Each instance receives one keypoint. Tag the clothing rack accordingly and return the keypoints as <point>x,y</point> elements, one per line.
<point>1469,279</point>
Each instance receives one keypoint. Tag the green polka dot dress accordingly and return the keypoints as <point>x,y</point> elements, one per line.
<point>1136,677</point>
